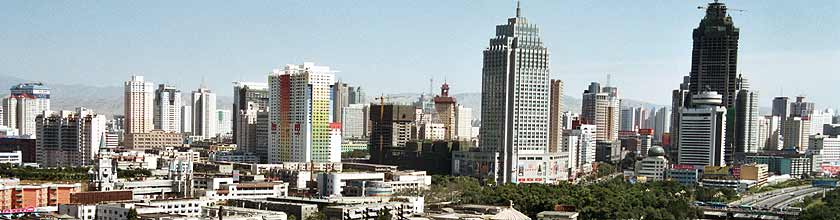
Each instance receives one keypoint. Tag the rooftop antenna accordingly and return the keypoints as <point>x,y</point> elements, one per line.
<point>518,10</point>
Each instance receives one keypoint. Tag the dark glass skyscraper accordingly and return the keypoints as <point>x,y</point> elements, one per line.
<point>714,57</point>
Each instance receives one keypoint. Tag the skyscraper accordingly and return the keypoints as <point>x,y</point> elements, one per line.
<point>801,108</point>
<point>26,101</point>
<point>515,100</point>
<point>714,56</point>
<point>795,132</point>
<point>204,115</point>
<point>445,109</point>
<point>463,123</point>
<point>781,107</point>
<point>746,121</point>
<point>702,131</point>
<point>167,108</point>
<point>224,122</point>
<point>662,124</point>
<point>555,126</point>
<point>341,99</point>
<point>301,99</point>
<point>355,121</point>
<point>247,96</point>
<point>600,107</point>
<point>391,128</point>
<point>357,95</point>
<point>139,103</point>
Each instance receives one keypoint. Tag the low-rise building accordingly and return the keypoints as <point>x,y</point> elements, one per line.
<point>684,174</point>
<point>784,163</point>
<point>654,167</point>
<point>237,213</point>
<point>78,211</point>
<point>333,184</point>
<point>234,156</point>
<point>14,157</point>
<point>755,172</point>
<point>15,196</point>
<point>398,210</point>
<point>253,190</point>
<point>557,215</point>
<point>155,139</point>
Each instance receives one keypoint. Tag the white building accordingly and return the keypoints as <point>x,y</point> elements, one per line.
<point>186,119</point>
<point>433,131</point>
<point>14,157</point>
<point>78,211</point>
<point>354,122</point>
<point>204,115</point>
<point>580,144</point>
<point>333,184</point>
<point>224,122</point>
<point>826,150</point>
<point>600,108</point>
<point>820,119</point>
<point>167,108</point>
<point>139,100</point>
<point>662,124</point>
<point>252,190</point>
<point>463,123</point>
<point>186,207</point>
<point>301,124</point>
<point>654,167</point>
<point>68,138</point>
<point>702,131</point>
<point>26,101</point>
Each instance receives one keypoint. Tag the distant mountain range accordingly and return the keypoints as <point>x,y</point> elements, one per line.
<point>106,100</point>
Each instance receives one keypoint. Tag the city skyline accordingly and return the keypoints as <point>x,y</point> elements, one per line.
<point>649,48</point>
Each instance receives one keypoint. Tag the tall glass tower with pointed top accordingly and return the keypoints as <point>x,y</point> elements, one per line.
<point>714,57</point>
<point>515,102</point>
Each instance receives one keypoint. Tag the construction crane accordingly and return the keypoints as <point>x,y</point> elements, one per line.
<point>728,9</point>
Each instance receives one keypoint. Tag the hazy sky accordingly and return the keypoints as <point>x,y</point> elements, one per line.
<point>396,46</point>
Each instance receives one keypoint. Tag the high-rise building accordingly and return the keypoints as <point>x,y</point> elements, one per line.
<point>795,132</point>
<point>167,108</point>
<point>246,128</point>
<point>600,106</point>
<point>224,122</point>
<point>341,99</point>
<point>139,103</point>
<point>26,101</point>
<point>714,56</point>
<point>662,124</point>
<point>247,96</point>
<point>463,123</point>
<point>746,123</point>
<point>357,95</point>
<point>445,109</point>
<point>679,100</point>
<point>68,138</point>
<point>186,119</point>
<point>555,119</point>
<point>355,122</point>
<point>702,131</point>
<point>579,143</point>
<point>801,108</point>
<point>781,107</point>
<point>204,115</point>
<point>301,99</point>
<point>820,119</point>
<point>515,100</point>
<point>391,129</point>
<point>628,119</point>
<point>825,150</point>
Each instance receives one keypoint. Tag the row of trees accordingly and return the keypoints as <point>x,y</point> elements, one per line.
<point>828,208</point>
<point>613,199</point>
<point>47,174</point>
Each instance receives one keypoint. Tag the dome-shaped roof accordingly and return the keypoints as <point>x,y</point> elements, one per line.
<point>510,214</point>
<point>656,151</point>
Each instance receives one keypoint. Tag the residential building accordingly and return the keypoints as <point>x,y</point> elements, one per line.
<point>795,132</point>
<point>139,105</point>
<point>702,131</point>
<point>555,118</point>
<point>204,114</point>
<point>224,123</point>
<point>340,99</point>
<point>186,119</point>
<point>391,129</point>
<point>825,149</point>
<point>300,99</point>
<point>25,102</point>
<point>154,139</point>
<point>355,122</point>
<point>167,108</point>
<point>801,108</point>
<point>601,107</point>
<point>16,196</point>
<point>579,144</point>
<point>463,123</point>
<point>248,99</point>
<point>68,138</point>
<point>746,123</point>
<point>357,95</point>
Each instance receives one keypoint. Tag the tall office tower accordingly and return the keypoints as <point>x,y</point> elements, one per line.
<point>263,132</point>
<point>774,133</point>
<point>820,119</point>
<point>679,100</point>
<point>801,108</point>
<point>357,95</point>
<point>391,129</point>
<point>795,132</point>
<point>445,108</point>
<point>167,108</point>
<point>27,101</point>
<point>68,138</point>
<point>746,124</point>
<point>662,124</point>
<point>186,119</point>
<point>781,107</point>
<point>355,121</point>
<point>641,118</point>
<point>628,119</point>
<point>139,103</point>
<point>341,99</point>
<point>600,107</point>
<point>463,123</point>
<point>514,97</point>
<point>714,56</point>
<point>224,122</point>
<point>763,134</point>
<point>702,131</point>
<point>204,113</point>
<point>579,143</point>
<point>555,119</point>
<point>301,101</point>
<point>247,96</point>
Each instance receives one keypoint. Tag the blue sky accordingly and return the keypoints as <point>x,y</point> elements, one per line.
<point>396,46</point>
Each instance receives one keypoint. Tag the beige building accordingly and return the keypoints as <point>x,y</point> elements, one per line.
<point>755,172</point>
<point>555,125</point>
<point>795,132</point>
<point>445,109</point>
<point>155,139</point>
<point>139,100</point>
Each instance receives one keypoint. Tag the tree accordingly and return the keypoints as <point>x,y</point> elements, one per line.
<point>316,216</point>
<point>291,217</point>
<point>384,214</point>
<point>132,214</point>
